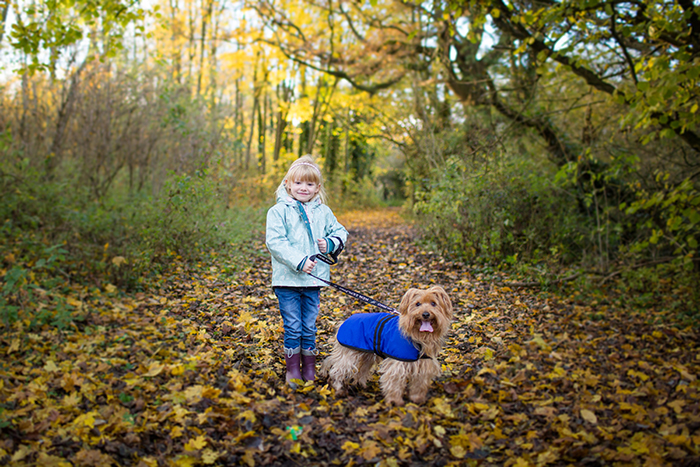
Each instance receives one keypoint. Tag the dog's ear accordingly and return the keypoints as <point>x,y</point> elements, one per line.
<point>406,300</point>
<point>443,298</point>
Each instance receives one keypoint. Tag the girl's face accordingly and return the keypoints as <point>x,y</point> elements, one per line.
<point>303,191</point>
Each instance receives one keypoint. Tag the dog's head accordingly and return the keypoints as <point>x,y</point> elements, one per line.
<point>425,314</point>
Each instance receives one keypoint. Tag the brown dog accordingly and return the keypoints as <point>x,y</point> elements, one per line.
<point>405,346</point>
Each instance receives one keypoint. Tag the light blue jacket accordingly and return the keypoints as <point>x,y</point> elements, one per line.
<point>287,238</point>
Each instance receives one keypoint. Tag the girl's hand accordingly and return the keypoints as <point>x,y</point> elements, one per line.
<point>309,266</point>
<point>322,245</point>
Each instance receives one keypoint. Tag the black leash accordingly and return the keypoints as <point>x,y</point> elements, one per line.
<point>345,290</point>
<point>333,259</point>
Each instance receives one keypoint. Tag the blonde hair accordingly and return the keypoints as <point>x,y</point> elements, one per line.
<point>305,169</point>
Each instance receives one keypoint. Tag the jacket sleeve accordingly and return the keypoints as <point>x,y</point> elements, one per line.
<point>277,241</point>
<point>335,229</point>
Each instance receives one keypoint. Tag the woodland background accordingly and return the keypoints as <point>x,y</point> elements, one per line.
<point>555,142</point>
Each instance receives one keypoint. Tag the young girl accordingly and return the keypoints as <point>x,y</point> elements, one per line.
<point>299,226</point>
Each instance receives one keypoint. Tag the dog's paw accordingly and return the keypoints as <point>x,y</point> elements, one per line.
<point>396,402</point>
<point>417,399</point>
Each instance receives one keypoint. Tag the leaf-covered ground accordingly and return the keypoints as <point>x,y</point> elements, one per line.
<point>194,375</point>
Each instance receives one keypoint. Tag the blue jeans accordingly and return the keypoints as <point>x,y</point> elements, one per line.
<point>299,309</point>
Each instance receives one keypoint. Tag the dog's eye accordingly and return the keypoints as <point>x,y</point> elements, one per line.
<point>418,304</point>
<point>433,303</point>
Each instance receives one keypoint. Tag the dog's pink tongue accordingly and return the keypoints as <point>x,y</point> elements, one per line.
<point>426,327</point>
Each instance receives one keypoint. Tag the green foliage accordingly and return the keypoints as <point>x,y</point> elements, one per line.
<point>497,213</point>
<point>663,288</point>
<point>599,187</point>
<point>667,219</point>
<point>55,25</point>
<point>657,79</point>
<point>54,238</point>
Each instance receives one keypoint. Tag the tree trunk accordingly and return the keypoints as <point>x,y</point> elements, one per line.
<point>4,9</point>
<point>283,93</point>
<point>64,115</point>
<point>262,130</point>
<point>256,103</point>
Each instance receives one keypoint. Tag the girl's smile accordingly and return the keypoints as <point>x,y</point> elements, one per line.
<point>304,191</point>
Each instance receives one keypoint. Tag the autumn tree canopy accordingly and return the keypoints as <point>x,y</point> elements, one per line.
<point>564,132</point>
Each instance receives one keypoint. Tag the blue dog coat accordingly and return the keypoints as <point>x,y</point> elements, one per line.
<point>378,333</point>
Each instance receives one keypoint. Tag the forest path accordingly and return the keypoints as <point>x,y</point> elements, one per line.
<point>194,375</point>
<point>527,379</point>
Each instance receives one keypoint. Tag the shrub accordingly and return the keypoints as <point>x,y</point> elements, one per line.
<point>493,213</point>
<point>54,238</point>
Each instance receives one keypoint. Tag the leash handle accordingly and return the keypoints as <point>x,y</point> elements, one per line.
<point>331,259</point>
<point>320,256</point>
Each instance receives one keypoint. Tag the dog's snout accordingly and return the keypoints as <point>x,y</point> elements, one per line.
<point>426,315</point>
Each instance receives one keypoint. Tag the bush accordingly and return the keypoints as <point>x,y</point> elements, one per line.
<point>497,213</point>
<point>54,238</point>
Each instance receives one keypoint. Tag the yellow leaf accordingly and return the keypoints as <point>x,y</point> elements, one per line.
<point>540,342</point>
<point>677,406</point>
<point>638,374</point>
<point>76,303</point>
<point>443,407</point>
<point>109,288</point>
<point>558,372</point>
<point>248,415</point>
<point>349,446</point>
<point>684,371</point>
<point>86,419</point>
<point>439,431</point>
<point>248,459</point>
<point>132,381</point>
<point>72,399</point>
<point>486,370</point>
<point>209,456</point>
<point>149,461</point>
<point>370,450</point>
<point>47,460</point>
<point>21,453</point>
<point>154,369</point>
<point>118,260</point>
<point>50,367</point>
<point>589,416</point>
<point>193,393</point>
<point>679,440</point>
<point>196,444</point>
<point>186,461</point>
<point>458,451</point>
